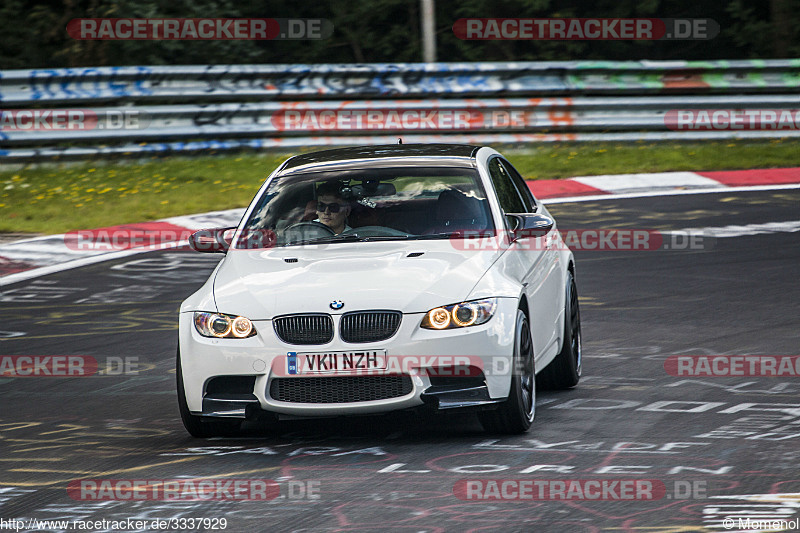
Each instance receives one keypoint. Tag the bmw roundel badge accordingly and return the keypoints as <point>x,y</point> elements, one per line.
<point>337,304</point>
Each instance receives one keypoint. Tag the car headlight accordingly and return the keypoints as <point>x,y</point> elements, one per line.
<point>460,315</point>
<point>223,326</point>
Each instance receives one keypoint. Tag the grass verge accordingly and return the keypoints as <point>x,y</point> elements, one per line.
<point>50,199</point>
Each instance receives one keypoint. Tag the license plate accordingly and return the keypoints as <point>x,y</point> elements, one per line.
<point>348,362</point>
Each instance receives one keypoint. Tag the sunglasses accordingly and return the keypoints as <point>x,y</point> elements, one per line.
<point>333,208</point>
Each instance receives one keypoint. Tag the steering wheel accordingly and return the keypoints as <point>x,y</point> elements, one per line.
<point>308,230</point>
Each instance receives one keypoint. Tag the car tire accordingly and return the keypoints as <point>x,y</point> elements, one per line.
<point>197,426</point>
<point>565,370</point>
<point>516,413</point>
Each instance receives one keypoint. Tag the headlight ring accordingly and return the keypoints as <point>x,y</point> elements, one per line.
<point>460,315</point>
<point>223,326</point>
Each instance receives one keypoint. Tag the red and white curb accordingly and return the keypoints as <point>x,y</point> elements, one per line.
<point>30,258</point>
<point>662,183</point>
<point>36,257</point>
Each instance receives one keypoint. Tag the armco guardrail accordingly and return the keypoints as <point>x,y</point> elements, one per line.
<point>209,83</point>
<point>140,110</point>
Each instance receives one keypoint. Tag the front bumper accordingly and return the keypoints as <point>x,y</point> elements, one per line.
<point>422,352</point>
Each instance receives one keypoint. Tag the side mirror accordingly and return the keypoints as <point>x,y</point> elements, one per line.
<point>530,225</point>
<point>210,240</point>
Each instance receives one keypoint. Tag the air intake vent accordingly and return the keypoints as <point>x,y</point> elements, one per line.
<point>369,326</point>
<point>343,389</point>
<point>304,329</point>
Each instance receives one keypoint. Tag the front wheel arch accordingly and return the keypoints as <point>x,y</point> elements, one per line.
<point>565,370</point>
<point>515,414</point>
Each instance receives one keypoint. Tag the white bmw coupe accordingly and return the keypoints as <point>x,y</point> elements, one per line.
<point>372,279</point>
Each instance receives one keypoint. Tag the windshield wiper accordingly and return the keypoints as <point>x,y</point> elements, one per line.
<point>438,236</point>
<point>373,238</point>
<point>355,237</point>
<point>389,238</point>
<point>350,237</point>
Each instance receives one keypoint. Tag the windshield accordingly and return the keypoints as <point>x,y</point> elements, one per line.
<point>371,204</point>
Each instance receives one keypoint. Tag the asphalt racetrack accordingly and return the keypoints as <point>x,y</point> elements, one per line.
<point>714,446</point>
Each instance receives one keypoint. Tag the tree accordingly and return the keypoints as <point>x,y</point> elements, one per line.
<point>34,34</point>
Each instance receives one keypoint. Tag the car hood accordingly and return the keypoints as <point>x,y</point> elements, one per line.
<point>261,284</point>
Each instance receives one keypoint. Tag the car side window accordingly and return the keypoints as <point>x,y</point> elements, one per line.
<point>507,194</point>
<point>522,187</point>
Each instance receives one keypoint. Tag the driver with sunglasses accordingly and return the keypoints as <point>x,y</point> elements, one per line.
<point>332,209</point>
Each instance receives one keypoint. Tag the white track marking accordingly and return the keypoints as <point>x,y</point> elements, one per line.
<point>632,182</point>
<point>668,192</point>
<point>722,232</point>
<point>108,256</point>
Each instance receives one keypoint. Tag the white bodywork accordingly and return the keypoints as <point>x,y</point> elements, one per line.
<point>260,285</point>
